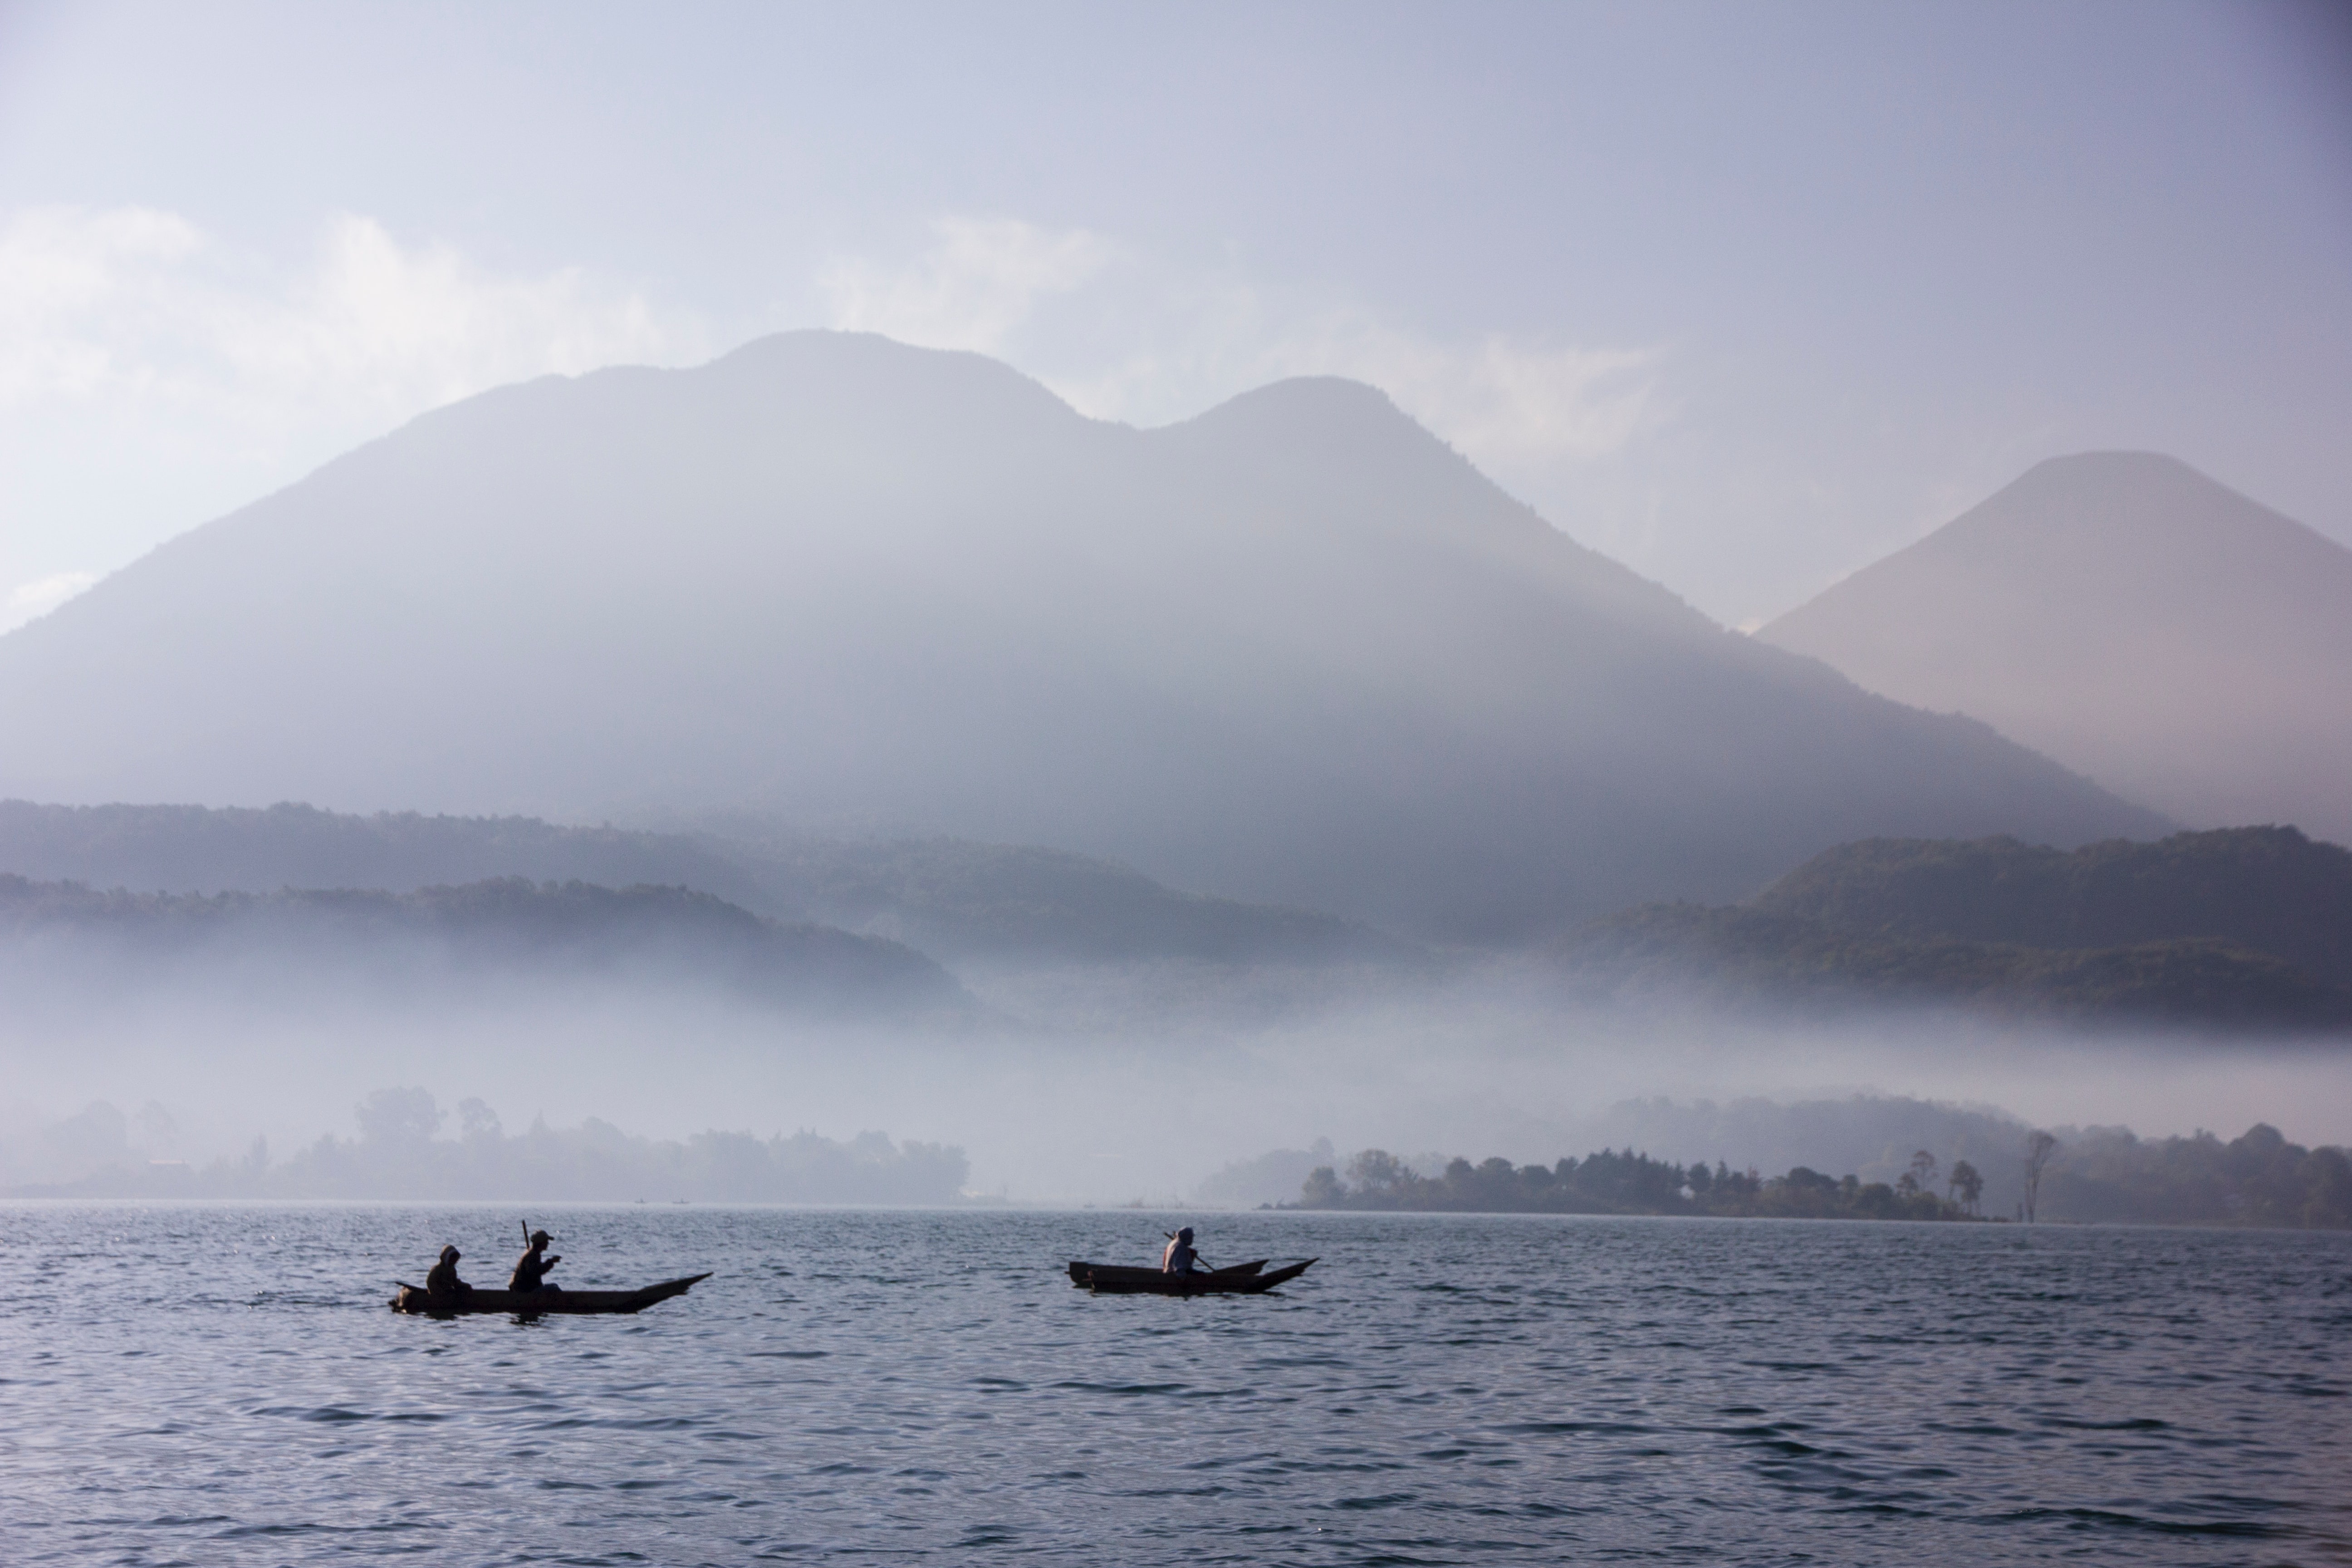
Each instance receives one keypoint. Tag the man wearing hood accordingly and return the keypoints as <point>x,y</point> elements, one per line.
<point>1179,1257</point>
<point>443,1285</point>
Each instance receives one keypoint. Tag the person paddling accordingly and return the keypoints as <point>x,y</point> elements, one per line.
<point>531,1268</point>
<point>1179,1257</point>
<point>442,1283</point>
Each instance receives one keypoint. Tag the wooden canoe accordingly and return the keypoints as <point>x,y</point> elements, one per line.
<point>543,1302</point>
<point>1108,1279</point>
<point>1081,1274</point>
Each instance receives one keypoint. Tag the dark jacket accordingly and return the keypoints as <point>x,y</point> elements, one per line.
<point>531,1269</point>
<point>442,1283</point>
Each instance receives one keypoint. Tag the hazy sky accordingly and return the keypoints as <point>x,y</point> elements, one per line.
<point>1746,296</point>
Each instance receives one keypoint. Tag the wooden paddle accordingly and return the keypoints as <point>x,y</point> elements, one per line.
<point>544,1266</point>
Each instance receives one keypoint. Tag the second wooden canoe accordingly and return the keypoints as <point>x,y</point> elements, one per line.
<point>1082,1274</point>
<point>1108,1279</point>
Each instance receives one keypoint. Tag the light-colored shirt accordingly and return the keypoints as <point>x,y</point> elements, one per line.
<point>1178,1259</point>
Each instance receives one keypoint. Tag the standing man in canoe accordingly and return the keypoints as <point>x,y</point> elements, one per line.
<point>1179,1257</point>
<point>531,1268</point>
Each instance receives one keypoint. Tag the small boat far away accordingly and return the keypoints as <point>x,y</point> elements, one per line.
<point>1238,1279</point>
<point>544,1301</point>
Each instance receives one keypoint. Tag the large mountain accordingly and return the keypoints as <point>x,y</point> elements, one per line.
<point>2128,615</point>
<point>1295,650</point>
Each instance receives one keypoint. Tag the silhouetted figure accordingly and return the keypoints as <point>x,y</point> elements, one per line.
<point>443,1285</point>
<point>1179,1257</point>
<point>531,1269</point>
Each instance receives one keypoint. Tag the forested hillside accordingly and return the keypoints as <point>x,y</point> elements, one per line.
<point>63,934</point>
<point>2241,931</point>
<point>2269,889</point>
<point>949,897</point>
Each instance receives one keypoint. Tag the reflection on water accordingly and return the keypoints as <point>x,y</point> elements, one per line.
<point>208,1384</point>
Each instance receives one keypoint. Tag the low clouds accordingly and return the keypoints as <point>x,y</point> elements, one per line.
<point>30,601</point>
<point>137,306</point>
<point>63,299</point>
<point>153,375</point>
<point>1126,336</point>
<point>1503,402</point>
<point>982,280</point>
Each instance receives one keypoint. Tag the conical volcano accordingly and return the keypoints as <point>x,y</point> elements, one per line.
<point>2126,615</point>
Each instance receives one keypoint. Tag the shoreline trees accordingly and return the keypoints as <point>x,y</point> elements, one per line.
<point>2258,1179</point>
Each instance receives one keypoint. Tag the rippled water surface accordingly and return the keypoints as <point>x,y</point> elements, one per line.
<point>224,1385</point>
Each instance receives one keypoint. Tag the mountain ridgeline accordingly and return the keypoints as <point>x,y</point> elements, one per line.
<point>55,933</point>
<point>1295,651</point>
<point>952,900</point>
<point>2235,930</point>
<point>2244,930</point>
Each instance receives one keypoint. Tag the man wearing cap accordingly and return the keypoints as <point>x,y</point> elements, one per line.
<point>531,1268</point>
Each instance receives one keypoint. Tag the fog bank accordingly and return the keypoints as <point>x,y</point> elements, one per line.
<point>1067,1088</point>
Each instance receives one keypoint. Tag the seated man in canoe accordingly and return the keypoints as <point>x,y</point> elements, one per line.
<point>531,1269</point>
<point>1179,1257</point>
<point>442,1286</point>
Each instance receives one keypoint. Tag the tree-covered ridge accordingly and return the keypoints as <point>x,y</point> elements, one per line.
<point>2241,931</point>
<point>504,924</point>
<point>951,897</point>
<point>2268,889</point>
<point>959,899</point>
<point>2104,1174</point>
<point>1747,956</point>
<point>192,848</point>
<point>2258,1179</point>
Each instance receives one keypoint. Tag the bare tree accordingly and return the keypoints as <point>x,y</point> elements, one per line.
<point>1922,1170</point>
<point>1967,1185</point>
<point>2038,1149</point>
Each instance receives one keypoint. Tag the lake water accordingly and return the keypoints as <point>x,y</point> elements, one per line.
<point>223,1384</point>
